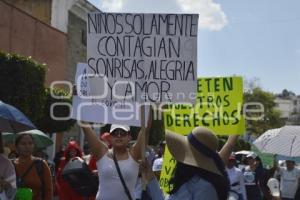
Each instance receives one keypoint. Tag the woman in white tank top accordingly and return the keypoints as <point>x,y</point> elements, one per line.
<point>110,185</point>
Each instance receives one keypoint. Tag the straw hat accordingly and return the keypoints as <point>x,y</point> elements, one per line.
<point>183,151</point>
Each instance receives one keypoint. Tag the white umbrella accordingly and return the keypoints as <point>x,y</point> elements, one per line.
<point>40,139</point>
<point>284,141</point>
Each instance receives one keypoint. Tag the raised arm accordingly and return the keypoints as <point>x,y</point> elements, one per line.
<point>137,147</point>
<point>227,149</point>
<point>153,189</point>
<point>97,147</point>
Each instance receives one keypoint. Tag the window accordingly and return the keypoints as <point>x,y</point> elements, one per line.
<point>83,37</point>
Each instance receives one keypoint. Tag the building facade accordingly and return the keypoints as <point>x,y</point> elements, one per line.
<point>39,9</point>
<point>55,33</point>
<point>24,34</point>
<point>51,32</point>
<point>289,108</point>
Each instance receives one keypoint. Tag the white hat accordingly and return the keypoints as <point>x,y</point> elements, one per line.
<point>116,126</point>
<point>233,195</point>
<point>273,185</point>
<point>251,155</point>
<point>157,164</point>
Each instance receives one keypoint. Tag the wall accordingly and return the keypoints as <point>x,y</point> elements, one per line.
<point>59,15</point>
<point>21,33</point>
<point>61,8</point>
<point>40,9</point>
<point>298,104</point>
<point>285,106</point>
<point>76,29</point>
<point>76,43</point>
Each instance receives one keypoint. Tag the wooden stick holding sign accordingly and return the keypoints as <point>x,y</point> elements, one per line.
<point>145,137</point>
<point>143,149</point>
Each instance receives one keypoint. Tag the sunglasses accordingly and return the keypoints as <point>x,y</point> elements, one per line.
<point>120,133</point>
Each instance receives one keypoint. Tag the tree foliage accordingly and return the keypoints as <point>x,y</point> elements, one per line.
<point>48,123</point>
<point>22,84</point>
<point>240,145</point>
<point>286,94</point>
<point>156,132</point>
<point>268,118</point>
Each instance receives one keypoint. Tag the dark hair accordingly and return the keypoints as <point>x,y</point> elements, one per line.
<point>184,172</point>
<point>13,155</point>
<point>290,161</point>
<point>68,157</point>
<point>19,137</point>
<point>260,165</point>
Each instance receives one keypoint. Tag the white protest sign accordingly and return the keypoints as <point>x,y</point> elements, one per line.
<point>98,111</point>
<point>142,57</point>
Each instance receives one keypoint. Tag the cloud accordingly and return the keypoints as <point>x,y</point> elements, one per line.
<point>211,15</point>
<point>111,5</point>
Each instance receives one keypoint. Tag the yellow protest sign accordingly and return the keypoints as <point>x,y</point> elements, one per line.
<point>167,171</point>
<point>219,103</point>
<point>218,106</point>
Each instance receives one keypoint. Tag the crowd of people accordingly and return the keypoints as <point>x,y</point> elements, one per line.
<point>201,171</point>
<point>254,179</point>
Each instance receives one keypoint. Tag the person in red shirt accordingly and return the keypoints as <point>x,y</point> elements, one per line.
<point>64,191</point>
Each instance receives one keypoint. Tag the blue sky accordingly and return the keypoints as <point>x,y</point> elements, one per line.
<point>251,38</point>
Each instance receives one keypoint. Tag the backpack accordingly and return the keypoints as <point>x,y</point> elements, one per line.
<point>80,178</point>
